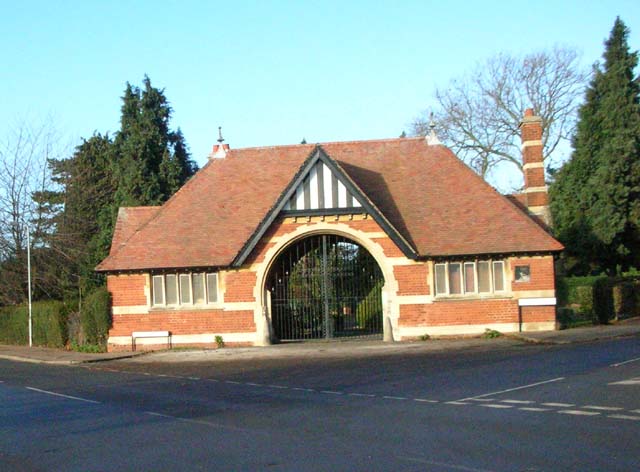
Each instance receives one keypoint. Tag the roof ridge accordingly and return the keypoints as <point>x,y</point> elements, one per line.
<point>355,141</point>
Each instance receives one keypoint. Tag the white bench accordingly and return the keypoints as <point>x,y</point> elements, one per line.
<point>149,334</point>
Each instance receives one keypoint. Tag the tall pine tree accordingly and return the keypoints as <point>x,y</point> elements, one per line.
<point>595,198</point>
<point>144,164</point>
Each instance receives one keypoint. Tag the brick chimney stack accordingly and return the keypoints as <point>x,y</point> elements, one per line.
<point>535,188</point>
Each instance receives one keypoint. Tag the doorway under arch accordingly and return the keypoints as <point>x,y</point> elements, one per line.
<point>325,286</point>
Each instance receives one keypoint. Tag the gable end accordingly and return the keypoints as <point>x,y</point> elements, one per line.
<point>349,199</point>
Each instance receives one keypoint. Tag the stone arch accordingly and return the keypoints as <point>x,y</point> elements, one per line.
<point>364,239</point>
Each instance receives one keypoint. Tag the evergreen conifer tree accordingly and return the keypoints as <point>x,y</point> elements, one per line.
<point>71,216</point>
<point>152,162</point>
<point>144,164</point>
<point>595,198</point>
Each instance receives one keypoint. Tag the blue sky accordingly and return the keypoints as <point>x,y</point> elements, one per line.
<point>271,72</point>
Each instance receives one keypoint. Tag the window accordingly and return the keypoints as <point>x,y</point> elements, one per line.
<point>469,277</point>
<point>441,279</point>
<point>198,288</point>
<point>184,289</point>
<point>522,274</point>
<point>484,276</point>
<point>171,288</point>
<point>158,290</point>
<point>498,276</point>
<point>212,288</point>
<point>455,279</point>
<point>477,277</point>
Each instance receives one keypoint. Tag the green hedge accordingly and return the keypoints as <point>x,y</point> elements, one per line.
<point>597,298</point>
<point>59,324</point>
<point>576,291</point>
<point>48,319</point>
<point>617,298</point>
<point>576,300</point>
<point>96,317</point>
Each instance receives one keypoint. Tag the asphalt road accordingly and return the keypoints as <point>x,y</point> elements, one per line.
<point>497,407</point>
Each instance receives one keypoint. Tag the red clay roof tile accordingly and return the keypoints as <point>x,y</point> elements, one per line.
<point>435,201</point>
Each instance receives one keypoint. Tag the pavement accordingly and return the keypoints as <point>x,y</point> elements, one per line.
<point>44,355</point>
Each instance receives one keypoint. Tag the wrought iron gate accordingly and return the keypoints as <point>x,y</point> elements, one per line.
<point>325,286</point>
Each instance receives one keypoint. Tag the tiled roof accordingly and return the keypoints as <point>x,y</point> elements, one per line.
<point>437,204</point>
<point>128,222</point>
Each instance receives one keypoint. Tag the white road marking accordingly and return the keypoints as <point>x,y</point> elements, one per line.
<point>368,395</point>
<point>634,381</point>
<point>70,397</point>
<point>495,405</point>
<point>212,380</point>
<point>303,389</point>
<point>232,382</point>
<point>603,408</point>
<point>625,417</point>
<point>560,405</point>
<point>443,465</point>
<point>425,400</point>
<point>153,413</point>
<point>578,412</point>
<point>484,399</point>
<point>193,378</point>
<point>532,408</point>
<point>518,402</point>
<point>512,389</point>
<point>625,362</point>
<point>281,387</point>
<point>205,423</point>
<point>457,403</point>
<point>389,397</point>
<point>331,392</point>
<point>253,384</point>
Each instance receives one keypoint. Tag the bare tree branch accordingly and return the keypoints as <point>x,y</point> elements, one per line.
<point>478,115</point>
<point>24,151</point>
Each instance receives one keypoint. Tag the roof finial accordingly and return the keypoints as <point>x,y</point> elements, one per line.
<point>220,138</point>
<point>432,138</point>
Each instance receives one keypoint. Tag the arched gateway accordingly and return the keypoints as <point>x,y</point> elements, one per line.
<point>325,286</point>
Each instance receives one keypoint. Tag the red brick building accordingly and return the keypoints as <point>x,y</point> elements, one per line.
<point>395,238</point>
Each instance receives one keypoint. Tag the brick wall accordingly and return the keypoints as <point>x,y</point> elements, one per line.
<point>459,312</point>
<point>542,273</point>
<point>389,247</point>
<point>412,279</point>
<point>184,322</point>
<point>536,314</point>
<point>239,285</point>
<point>285,226</point>
<point>127,290</point>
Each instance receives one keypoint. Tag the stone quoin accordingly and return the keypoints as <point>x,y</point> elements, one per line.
<point>442,252</point>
